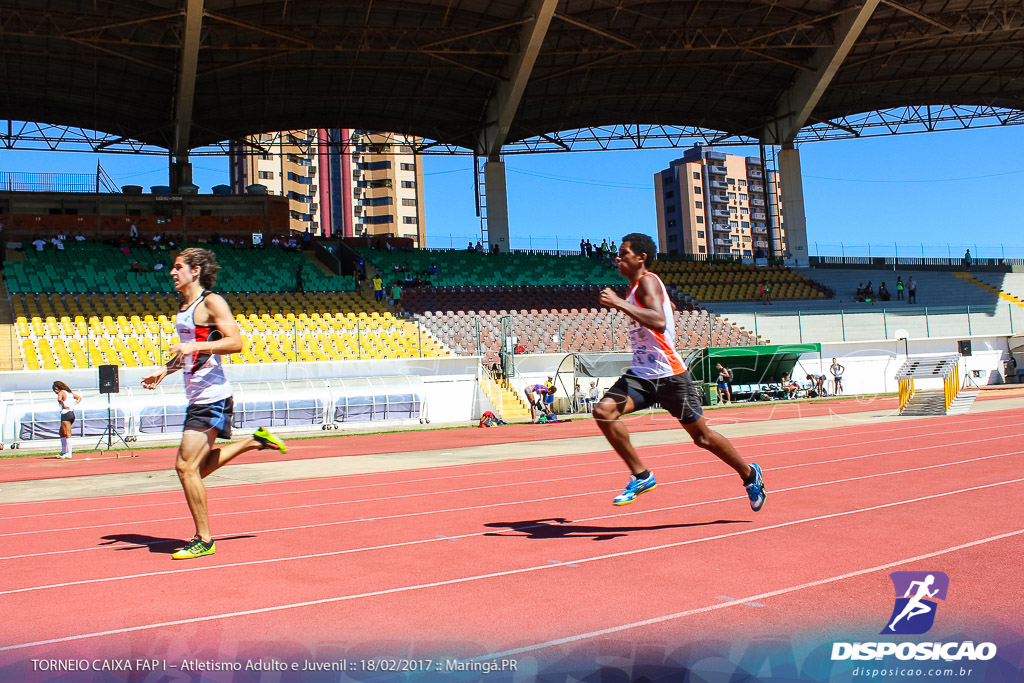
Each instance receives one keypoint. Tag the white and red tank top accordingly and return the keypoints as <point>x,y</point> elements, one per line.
<point>203,372</point>
<point>654,353</point>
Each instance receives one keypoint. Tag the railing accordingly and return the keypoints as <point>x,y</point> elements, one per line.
<point>493,390</point>
<point>867,323</point>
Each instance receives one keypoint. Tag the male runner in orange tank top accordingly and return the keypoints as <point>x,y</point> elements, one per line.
<point>658,375</point>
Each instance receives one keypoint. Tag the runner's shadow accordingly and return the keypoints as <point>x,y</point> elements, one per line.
<point>162,546</point>
<point>559,527</point>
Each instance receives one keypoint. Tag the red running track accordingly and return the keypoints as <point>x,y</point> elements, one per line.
<point>154,459</point>
<point>528,559</point>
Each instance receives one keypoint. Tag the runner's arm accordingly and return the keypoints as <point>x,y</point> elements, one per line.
<point>648,313</point>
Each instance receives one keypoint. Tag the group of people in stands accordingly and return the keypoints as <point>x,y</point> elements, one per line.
<point>605,252</point>
<point>56,242</point>
<point>866,293</point>
<point>479,248</point>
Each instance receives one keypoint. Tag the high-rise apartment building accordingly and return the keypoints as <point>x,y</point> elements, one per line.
<point>711,202</point>
<point>339,182</point>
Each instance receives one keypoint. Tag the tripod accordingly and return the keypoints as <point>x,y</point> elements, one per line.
<point>110,432</point>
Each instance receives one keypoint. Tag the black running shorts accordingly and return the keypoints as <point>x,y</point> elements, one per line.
<point>676,394</point>
<point>202,417</point>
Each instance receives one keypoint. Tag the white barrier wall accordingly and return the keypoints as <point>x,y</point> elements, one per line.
<point>449,387</point>
<point>871,366</point>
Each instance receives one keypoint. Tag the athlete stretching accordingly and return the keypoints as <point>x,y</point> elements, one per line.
<point>206,329</point>
<point>657,375</point>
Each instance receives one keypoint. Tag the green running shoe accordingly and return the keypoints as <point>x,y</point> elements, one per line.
<point>268,440</point>
<point>197,547</point>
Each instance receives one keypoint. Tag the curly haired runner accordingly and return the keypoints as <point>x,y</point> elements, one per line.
<point>67,416</point>
<point>657,375</point>
<point>206,329</point>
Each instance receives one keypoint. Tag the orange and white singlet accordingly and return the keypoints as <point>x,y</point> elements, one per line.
<point>654,353</point>
<point>203,372</point>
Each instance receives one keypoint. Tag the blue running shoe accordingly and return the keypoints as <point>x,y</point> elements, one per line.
<point>634,488</point>
<point>756,491</point>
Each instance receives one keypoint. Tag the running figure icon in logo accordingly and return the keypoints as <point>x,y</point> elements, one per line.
<point>914,612</point>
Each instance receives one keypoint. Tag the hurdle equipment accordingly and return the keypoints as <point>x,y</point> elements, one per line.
<point>954,398</point>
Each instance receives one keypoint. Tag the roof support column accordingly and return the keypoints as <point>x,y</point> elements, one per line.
<point>793,202</point>
<point>181,168</point>
<point>500,112</point>
<point>497,206</point>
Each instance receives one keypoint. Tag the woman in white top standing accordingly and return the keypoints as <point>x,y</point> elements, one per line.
<point>67,416</point>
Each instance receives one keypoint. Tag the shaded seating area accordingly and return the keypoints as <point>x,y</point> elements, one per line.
<point>473,269</point>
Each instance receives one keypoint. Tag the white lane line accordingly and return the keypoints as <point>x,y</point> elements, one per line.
<point>928,431</point>
<point>529,482</point>
<point>348,551</point>
<point>525,570</point>
<point>745,601</point>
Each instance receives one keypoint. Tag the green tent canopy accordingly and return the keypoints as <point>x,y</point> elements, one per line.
<point>749,364</point>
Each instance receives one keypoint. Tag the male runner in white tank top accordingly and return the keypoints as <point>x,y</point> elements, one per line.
<point>206,329</point>
<point>658,375</point>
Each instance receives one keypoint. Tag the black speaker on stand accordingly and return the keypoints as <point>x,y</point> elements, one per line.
<point>109,385</point>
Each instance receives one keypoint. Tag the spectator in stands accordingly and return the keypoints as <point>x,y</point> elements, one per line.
<point>883,293</point>
<point>396,294</point>
<point>479,247</point>
<point>136,267</point>
<point>39,243</point>
<point>495,248</point>
<point>471,248</point>
<point>583,247</point>
<point>590,249</point>
<point>378,288</point>
<point>519,349</point>
<point>911,290</point>
<point>724,377</point>
<point>307,239</point>
<point>967,259</point>
<point>58,243</point>
<point>133,232</point>
<point>899,289</point>
<point>869,292</point>
<point>837,377</point>
<point>859,296</point>
<point>766,293</point>
<point>79,237</point>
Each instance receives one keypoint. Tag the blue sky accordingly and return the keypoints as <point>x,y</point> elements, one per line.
<point>894,193</point>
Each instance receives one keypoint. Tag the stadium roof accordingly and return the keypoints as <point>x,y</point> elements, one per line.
<point>477,74</point>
